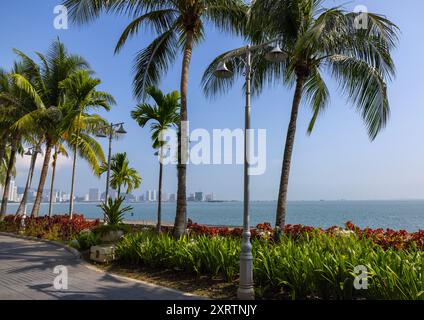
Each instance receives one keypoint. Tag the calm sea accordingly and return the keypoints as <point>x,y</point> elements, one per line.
<point>408,215</point>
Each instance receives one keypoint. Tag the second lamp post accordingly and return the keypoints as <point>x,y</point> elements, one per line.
<point>246,290</point>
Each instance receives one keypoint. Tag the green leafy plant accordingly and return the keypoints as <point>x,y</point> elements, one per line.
<point>87,239</point>
<point>114,214</point>
<point>313,266</point>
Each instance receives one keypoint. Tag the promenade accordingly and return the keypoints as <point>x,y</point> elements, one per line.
<point>27,273</point>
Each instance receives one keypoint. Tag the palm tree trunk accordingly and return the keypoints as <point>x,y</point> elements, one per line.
<point>24,200</point>
<point>181,214</point>
<point>71,200</point>
<point>288,150</point>
<point>10,167</point>
<point>43,177</point>
<point>52,183</point>
<point>2,148</point>
<point>159,225</point>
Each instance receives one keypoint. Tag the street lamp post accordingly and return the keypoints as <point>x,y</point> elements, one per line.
<point>246,290</point>
<point>111,131</point>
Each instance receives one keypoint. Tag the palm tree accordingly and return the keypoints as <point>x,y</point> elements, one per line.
<point>34,154</point>
<point>58,149</point>
<point>122,175</point>
<point>179,25</point>
<point>315,40</point>
<point>43,86</point>
<point>80,91</point>
<point>163,115</point>
<point>14,103</point>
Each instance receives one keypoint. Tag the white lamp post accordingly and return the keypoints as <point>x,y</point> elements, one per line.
<point>245,290</point>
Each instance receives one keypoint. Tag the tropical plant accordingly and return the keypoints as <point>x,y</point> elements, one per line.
<point>113,213</point>
<point>163,115</point>
<point>58,149</point>
<point>315,266</point>
<point>43,85</point>
<point>34,154</point>
<point>81,94</point>
<point>179,25</point>
<point>14,103</point>
<point>314,40</point>
<point>122,174</point>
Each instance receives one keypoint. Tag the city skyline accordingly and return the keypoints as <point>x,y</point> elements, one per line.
<point>96,195</point>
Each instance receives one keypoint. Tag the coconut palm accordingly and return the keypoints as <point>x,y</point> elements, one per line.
<point>163,115</point>
<point>317,40</point>
<point>58,149</point>
<point>179,25</point>
<point>122,175</point>
<point>43,86</point>
<point>14,103</point>
<point>34,154</point>
<point>80,92</point>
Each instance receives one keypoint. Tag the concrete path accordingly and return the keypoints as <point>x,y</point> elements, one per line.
<point>27,273</point>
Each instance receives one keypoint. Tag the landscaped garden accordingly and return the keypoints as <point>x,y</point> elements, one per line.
<point>305,263</point>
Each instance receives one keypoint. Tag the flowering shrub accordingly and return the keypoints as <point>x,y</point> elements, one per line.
<point>390,238</point>
<point>51,228</point>
<point>386,238</point>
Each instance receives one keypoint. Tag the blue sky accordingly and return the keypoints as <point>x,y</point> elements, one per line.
<point>337,162</point>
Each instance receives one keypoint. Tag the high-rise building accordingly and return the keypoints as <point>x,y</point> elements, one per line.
<point>172,197</point>
<point>141,198</point>
<point>94,195</point>
<point>151,195</point>
<point>209,197</point>
<point>198,196</point>
<point>191,197</point>
<point>13,191</point>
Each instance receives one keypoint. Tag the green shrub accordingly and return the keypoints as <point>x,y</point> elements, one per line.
<point>316,266</point>
<point>86,240</point>
<point>114,214</point>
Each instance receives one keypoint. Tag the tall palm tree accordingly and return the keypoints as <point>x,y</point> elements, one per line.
<point>58,149</point>
<point>80,92</point>
<point>122,174</point>
<point>179,25</point>
<point>47,94</point>
<point>315,40</point>
<point>14,103</point>
<point>163,115</point>
<point>24,200</point>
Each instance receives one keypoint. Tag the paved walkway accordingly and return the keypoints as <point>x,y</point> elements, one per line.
<point>26,272</point>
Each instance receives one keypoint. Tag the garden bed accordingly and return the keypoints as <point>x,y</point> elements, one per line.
<point>306,262</point>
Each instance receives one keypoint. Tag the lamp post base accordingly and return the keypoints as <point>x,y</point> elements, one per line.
<point>246,293</point>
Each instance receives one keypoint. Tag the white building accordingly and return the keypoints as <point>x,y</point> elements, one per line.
<point>94,195</point>
<point>13,192</point>
<point>151,195</point>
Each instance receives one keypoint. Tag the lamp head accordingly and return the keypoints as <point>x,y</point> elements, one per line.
<point>222,71</point>
<point>275,55</point>
<point>121,130</point>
